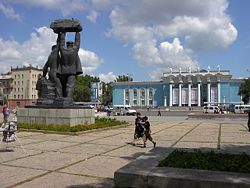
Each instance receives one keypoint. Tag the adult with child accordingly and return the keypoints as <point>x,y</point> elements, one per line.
<point>6,113</point>
<point>138,128</point>
<point>147,132</point>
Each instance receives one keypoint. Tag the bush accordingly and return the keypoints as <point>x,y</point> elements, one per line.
<point>99,123</point>
<point>208,161</point>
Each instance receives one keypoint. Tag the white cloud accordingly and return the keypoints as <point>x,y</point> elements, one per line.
<point>92,16</point>
<point>90,61</point>
<point>109,77</point>
<point>36,50</point>
<point>150,26</point>
<point>9,12</point>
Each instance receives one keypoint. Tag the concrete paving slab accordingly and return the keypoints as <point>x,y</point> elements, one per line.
<point>116,140</point>
<point>128,151</point>
<point>27,134</point>
<point>13,153</point>
<point>195,145</point>
<point>99,166</point>
<point>45,136</point>
<point>48,160</point>
<point>50,145</point>
<point>78,138</point>
<point>90,149</point>
<point>10,175</point>
<point>63,180</point>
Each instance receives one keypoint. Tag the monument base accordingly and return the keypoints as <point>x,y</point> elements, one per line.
<point>56,116</point>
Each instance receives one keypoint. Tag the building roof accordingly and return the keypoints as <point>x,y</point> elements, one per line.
<point>23,68</point>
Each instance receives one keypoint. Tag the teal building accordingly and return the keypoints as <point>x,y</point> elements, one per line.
<point>188,88</point>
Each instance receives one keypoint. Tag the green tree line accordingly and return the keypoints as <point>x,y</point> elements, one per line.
<point>82,89</point>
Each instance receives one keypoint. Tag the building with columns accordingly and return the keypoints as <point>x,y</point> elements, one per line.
<point>180,88</point>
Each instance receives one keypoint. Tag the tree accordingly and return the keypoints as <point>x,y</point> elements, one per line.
<point>244,91</point>
<point>82,88</point>
<point>123,78</point>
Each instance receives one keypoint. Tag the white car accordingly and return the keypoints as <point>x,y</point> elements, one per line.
<point>122,110</point>
<point>211,109</point>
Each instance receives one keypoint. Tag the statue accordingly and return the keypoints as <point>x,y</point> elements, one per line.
<point>62,66</point>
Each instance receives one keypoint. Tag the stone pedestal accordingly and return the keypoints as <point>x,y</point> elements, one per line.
<point>57,116</point>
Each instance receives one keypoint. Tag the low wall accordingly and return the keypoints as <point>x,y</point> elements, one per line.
<point>68,116</point>
<point>143,172</point>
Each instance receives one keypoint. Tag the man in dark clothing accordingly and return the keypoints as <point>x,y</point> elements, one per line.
<point>70,64</point>
<point>138,128</point>
<point>248,123</point>
<point>53,64</point>
<point>147,131</point>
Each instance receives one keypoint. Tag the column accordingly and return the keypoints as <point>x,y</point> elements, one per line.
<point>180,94</point>
<point>208,93</point>
<point>199,94</point>
<point>218,88</point>
<point>165,101</point>
<point>170,94</point>
<point>189,94</point>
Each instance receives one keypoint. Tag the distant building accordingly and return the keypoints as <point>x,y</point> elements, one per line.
<point>6,85</point>
<point>188,88</point>
<point>24,86</point>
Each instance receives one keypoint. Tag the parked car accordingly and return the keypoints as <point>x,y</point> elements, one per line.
<point>211,109</point>
<point>121,110</point>
<point>240,109</point>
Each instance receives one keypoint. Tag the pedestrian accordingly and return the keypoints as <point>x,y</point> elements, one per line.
<point>248,123</point>
<point>138,128</point>
<point>159,111</point>
<point>6,113</point>
<point>147,132</point>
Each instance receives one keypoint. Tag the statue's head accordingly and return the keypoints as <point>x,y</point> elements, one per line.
<point>70,44</point>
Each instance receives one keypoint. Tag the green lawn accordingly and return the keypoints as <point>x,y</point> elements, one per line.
<point>207,161</point>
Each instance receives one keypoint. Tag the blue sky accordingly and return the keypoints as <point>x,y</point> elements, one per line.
<point>142,38</point>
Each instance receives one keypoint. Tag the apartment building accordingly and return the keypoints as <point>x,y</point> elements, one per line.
<point>6,86</point>
<point>24,86</point>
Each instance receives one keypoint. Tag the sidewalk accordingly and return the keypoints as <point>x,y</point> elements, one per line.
<point>90,160</point>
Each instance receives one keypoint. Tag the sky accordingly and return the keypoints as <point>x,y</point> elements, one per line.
<point>142,38</point>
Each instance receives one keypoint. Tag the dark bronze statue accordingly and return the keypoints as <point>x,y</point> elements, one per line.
<point>62,66</point>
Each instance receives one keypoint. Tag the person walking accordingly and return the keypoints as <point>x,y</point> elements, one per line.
<point>248,123</point>
<point>138,128</point>
<point>159,111</point>
<point>6,113</point>
<point>147,132</point>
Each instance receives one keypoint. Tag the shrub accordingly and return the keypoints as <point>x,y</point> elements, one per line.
<point>208,161</point>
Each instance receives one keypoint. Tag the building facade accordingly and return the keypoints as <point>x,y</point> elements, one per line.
<point>6,86</point>
<point>24,86</point>
<point>190,88</point>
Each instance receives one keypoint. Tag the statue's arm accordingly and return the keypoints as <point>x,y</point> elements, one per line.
<point>77,40</point>
<point>62,40</point>
<point>45,68</point>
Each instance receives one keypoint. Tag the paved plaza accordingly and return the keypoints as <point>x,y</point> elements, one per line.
<point>90,159</point>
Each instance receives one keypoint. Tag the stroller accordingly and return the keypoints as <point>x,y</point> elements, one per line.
<point>9,131</point>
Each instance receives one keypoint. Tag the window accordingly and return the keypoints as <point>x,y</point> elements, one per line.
<point>135,97</point>
<point>127,96</point>
<point>142,98</point>
<point>150,96</point>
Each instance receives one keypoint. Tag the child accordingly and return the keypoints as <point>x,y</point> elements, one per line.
<point>147,132</point>
<point>138,128</point>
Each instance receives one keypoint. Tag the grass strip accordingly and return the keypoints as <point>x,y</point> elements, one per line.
<point>207,161</point>
<point>100,123</point>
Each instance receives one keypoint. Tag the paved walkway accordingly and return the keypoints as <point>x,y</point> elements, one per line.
<point>90,160</point>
